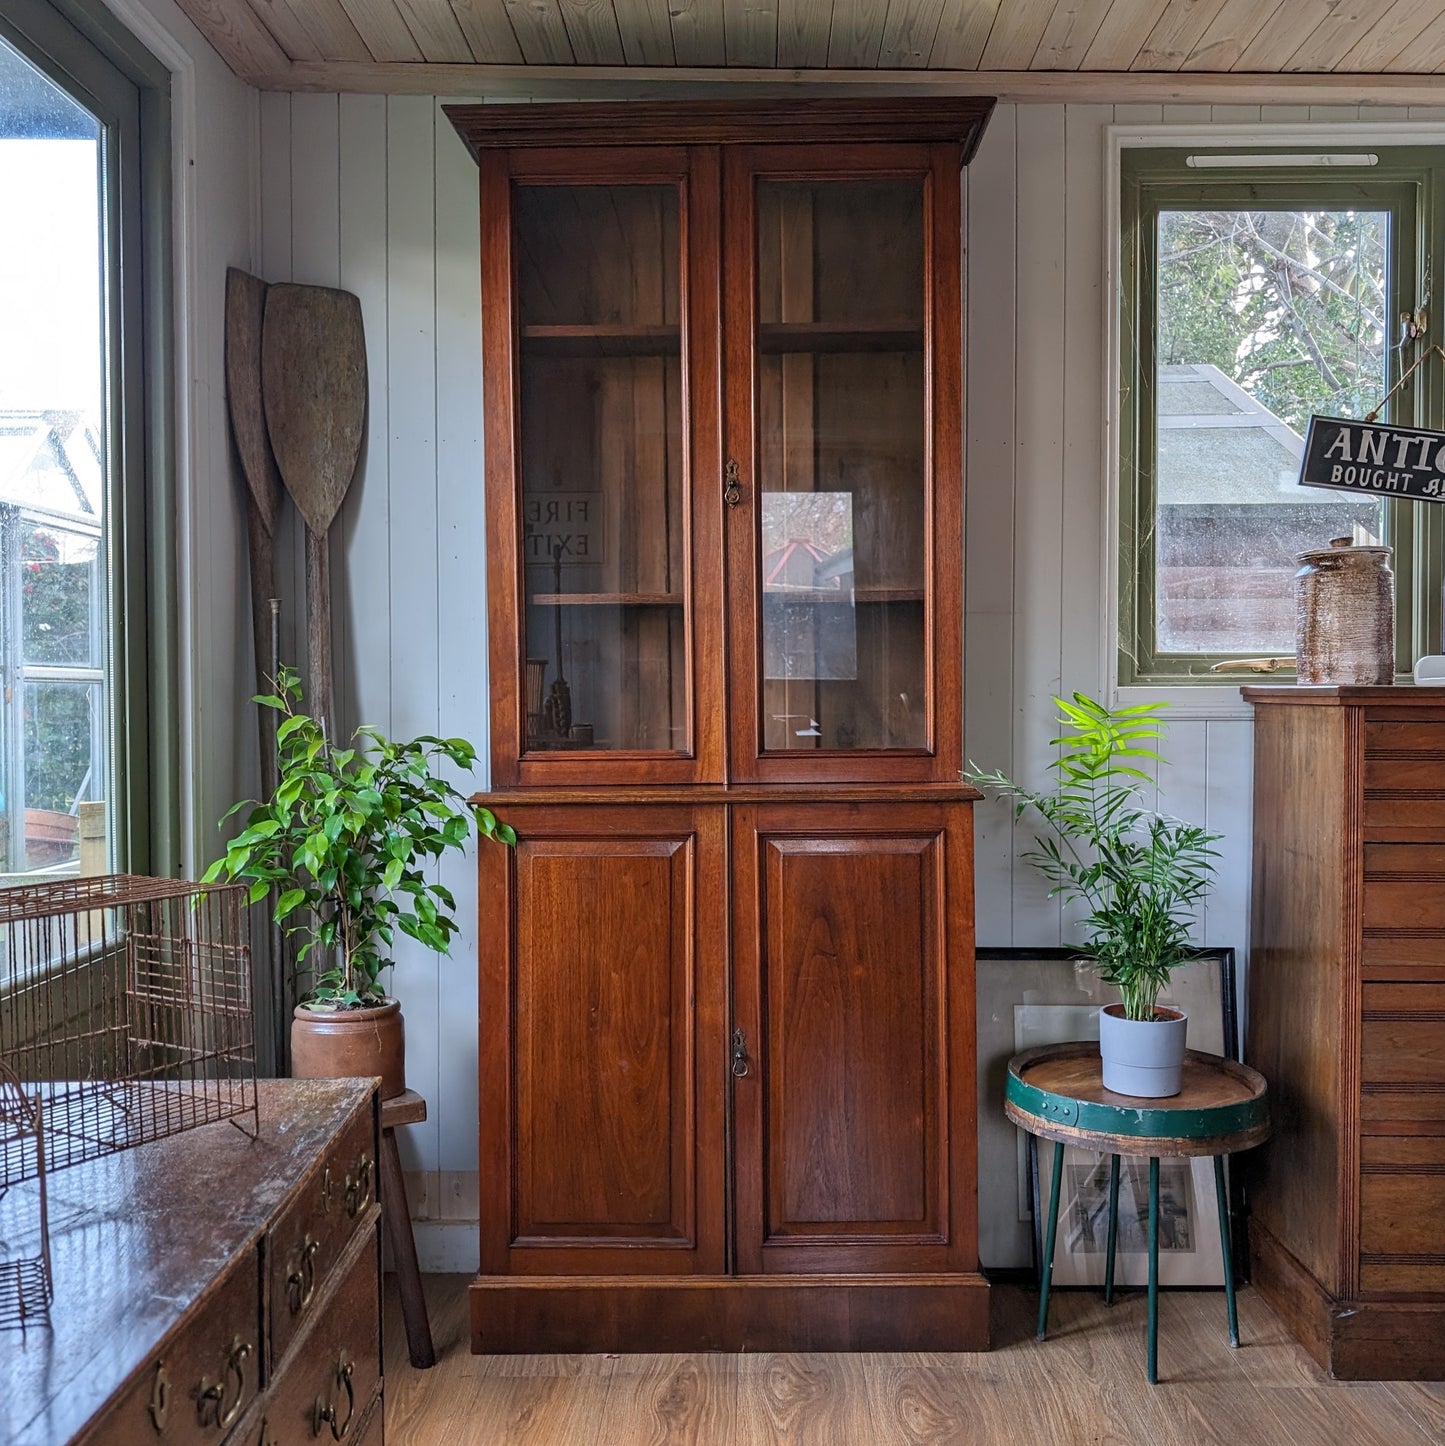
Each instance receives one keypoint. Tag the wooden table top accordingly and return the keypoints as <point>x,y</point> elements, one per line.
<point>1058,1093</point>
<point>139,1238</point>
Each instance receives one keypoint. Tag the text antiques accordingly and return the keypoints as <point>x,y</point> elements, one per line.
<point>1356,456</point>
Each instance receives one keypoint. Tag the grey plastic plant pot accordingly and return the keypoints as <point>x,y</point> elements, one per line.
<point>1142,1057</point>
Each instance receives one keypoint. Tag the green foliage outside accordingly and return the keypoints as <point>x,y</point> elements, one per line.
<point>1291,305</point>
<point>56,629</point>
<point>344,840</point>
<point>1138,873</point>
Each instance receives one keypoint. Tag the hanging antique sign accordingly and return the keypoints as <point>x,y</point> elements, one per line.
<point>1358,456</point>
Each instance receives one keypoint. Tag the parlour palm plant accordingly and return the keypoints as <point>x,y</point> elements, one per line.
<point>1138,873</point>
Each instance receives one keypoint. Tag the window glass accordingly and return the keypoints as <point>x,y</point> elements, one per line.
<point>54,738</point>
<point>1263,318</point>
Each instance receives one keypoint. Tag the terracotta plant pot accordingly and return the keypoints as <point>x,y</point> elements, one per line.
<point>350,1043</point>
<point>1142,1057</point>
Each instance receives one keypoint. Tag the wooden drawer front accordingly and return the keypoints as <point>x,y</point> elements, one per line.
<point>1402,1052</point>
<point>1405,739</point>
<point>1404,905</point>
<point>310,1237</point>
<point>1405,796</point>
<point>1402,1200</point>
<point>1405,863</point>
<point>203,1377</point>
<point>338,1366</point>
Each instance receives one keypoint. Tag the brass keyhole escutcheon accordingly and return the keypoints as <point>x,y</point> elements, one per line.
<point>732,484</point>
<point>740,1053</point>
<point>159,1404</point>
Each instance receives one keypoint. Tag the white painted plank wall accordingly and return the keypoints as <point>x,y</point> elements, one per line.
<point>379,194</point>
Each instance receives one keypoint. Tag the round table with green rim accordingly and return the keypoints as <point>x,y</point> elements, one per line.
<point>1058,1094</point>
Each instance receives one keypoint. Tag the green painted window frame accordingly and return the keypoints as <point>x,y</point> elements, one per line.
<point>86,51</point>
<point>1409,182</point>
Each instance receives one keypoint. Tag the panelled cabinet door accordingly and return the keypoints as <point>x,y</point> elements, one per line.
<point>600,359</point>
<point>853,1076</point>
<point>602,1044</point>
<point>843,434</point>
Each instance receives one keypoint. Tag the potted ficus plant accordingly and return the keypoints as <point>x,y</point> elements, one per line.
<point>344,841</point>
<point>1138,873</point>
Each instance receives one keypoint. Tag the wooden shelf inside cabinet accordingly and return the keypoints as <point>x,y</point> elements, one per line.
<point>601,339</point>
<point>608,599</point>
<point>775,338</point>
<point>847,597</point>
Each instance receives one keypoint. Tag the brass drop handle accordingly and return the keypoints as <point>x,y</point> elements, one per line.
<point>301,1283</point>
<point>732,486</point>
<point>324,1412</point>
<point>159,1404</point>
<point>326,1189</point>
<point>211,1398</point>
<point>740,1053</point>
<point>358,1191</point>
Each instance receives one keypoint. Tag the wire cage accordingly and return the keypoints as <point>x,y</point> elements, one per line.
<point>125,1009</point>
<point>26,1283</point>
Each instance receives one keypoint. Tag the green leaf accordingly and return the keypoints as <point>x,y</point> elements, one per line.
<point>258,891</point>
<point>289,902</point>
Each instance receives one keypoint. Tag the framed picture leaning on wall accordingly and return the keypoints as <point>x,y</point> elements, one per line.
<point>1030,997</point>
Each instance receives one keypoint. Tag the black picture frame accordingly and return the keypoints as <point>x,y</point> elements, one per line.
<point>1032,996</point>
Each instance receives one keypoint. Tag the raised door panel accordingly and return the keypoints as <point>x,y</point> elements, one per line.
<point>602,1043</point>
<point>600,349</point>
<point>844,392</point>
<point>854,995</point>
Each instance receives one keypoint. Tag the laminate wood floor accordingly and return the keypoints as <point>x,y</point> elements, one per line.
<point>1085,1384</point>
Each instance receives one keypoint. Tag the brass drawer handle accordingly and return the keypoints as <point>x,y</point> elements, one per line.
<point>301,1282</point>
<point>326,1189</point>
<point>211,1397</point>
<point>358,1191</point>
<point>324,1412</point>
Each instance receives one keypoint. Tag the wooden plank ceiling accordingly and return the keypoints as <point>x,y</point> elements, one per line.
<point>1023,49</point>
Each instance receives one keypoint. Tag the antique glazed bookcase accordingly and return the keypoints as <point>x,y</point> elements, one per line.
<point>726,1051</point>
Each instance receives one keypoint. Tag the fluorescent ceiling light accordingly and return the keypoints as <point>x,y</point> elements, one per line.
<point>1204,163</point>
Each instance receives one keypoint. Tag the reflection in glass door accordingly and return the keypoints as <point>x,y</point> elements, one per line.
<point>842,465</point>
<point>54,540</point>
<point>603,494</point>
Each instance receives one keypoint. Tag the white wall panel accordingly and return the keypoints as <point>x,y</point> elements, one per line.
<point>413,639</point>
<point>1038,541</point>
<point>462,621</point>
<point>990,265</point>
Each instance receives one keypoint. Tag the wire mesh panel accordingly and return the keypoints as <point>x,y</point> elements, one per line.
<point>26,1283</point>
<point>125,1009</point>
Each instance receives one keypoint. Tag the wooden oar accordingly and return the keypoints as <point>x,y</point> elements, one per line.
<point>313,368</point>
<point>245,309</point>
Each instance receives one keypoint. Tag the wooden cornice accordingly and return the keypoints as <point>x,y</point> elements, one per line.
<point>797,120</point>
<point>1055,87</point>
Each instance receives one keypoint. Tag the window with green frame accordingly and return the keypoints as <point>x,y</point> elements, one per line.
<point>1259,287</point>
<point>88,711</point>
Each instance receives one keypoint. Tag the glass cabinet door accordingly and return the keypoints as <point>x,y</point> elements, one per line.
<point>601,467</point>
<point>594,461</point>
<point>841,454</point>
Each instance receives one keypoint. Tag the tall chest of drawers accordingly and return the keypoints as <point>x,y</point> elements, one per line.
<point>1347,1022</point>
<point>213,1288</point>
